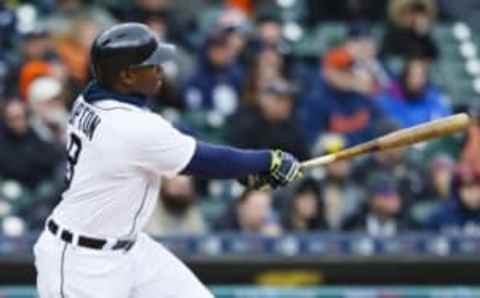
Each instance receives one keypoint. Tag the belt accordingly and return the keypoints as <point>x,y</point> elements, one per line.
<point>84,241</point>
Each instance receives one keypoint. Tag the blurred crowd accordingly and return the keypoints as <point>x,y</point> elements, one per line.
<point>239,80</point>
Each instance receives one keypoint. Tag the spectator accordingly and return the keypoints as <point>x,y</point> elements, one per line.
<point>59,22</point>
<point>438,190</point>
<point>341,195</point>
<point>245,6</point>
<point>440,174</point>
<point>305,209</point>
<point>177,71</point>
<point>408,33</point>
<point>39,59</point>
<point>251,213</point>
<point>271,123</point>
<point>342,100</point>
<point>73,48</point>
<point>177,16</point>
<point>37,45</point>
<point>415,100</point>
<point>354,66</point>
<point>400,164</point>
<point>46,99</point>
<point>218,80</point>
<point>454,145</point>
<point>461,213</point>
<point>239,28</point>
<point>382,217</point>
<point>177,212</point>
<point>24,156</point>
<point>269,31</point>
<point>183,66</point>
<point>267,65</point>
<point>345,10</point>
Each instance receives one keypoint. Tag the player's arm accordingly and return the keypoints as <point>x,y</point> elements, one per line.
<point>260,167</point>
<point>160,148</point>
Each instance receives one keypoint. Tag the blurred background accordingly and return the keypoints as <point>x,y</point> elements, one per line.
<point>309,77</point>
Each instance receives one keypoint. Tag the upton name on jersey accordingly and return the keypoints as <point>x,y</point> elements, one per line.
<point>84,119</point>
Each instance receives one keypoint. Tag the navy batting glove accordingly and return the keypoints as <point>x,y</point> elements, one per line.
<point>284,168</point>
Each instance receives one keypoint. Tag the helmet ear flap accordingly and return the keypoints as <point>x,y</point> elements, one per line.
<point>94,69</point>
<point>98,73</point>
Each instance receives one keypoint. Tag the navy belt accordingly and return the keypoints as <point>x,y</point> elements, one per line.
<point>87,242</point>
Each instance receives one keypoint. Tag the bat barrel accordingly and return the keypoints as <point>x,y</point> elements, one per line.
<point>424,132</point>
<point>398,139</point>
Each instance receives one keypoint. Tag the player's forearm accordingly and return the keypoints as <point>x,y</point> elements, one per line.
<point>214,161</point>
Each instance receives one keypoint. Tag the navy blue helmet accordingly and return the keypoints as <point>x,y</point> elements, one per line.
<point>127,45</point>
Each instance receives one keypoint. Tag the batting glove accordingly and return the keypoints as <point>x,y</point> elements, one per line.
<point>284,168</point>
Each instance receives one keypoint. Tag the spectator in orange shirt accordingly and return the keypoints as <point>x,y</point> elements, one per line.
<point>246,6</point>
<point>341,101</point>
<point>40,59</point>
<point>354,66</point>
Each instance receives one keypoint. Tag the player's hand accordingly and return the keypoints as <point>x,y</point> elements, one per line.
<point>284,168</point>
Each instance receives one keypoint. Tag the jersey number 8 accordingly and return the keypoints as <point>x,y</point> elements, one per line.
<point>73,151</point>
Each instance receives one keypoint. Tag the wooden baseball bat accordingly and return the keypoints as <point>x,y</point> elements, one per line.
<point>397,139</point>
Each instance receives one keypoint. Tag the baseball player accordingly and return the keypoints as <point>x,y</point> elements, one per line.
<point>118,151</point>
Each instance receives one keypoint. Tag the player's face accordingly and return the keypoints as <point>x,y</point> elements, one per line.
<point>146,80</point>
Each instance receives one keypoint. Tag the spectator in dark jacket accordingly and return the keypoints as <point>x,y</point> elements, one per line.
<point>305,208</point>
<point>382,217</point>
<point>409,31</point>
<point>415,100</point>
<point>436,192</point>
<point>461,213</point>
<point>24,156</point>
<point>218,80</point>
<point>270,123</point>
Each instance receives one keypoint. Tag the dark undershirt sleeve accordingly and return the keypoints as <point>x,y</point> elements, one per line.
<point>224,162</point>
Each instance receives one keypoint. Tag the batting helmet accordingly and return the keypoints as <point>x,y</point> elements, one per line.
<point>127,45</point>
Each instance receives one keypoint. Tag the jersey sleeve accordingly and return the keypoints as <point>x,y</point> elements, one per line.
<point>160,148</point>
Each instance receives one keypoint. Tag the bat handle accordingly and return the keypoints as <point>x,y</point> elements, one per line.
<point>320,161</point>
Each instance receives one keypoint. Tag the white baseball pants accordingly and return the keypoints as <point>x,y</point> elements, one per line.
<point>147,270</point>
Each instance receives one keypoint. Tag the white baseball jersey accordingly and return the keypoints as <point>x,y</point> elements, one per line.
<point>117,154</point>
